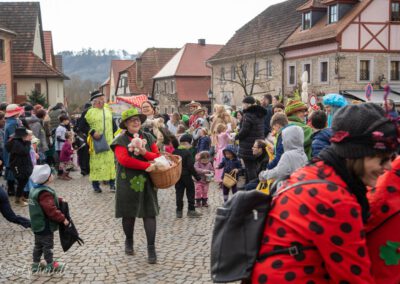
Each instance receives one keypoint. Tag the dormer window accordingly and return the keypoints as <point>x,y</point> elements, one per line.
<point>333,14</point>
<point>306,20</point>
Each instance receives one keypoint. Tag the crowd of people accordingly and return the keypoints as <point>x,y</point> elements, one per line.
<point>338,226</point>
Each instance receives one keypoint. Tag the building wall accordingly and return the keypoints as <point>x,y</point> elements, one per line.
<point>165,92</point>
<point>37,43</point>
<point>230,93</point>
<point>55,89</point>
<point>343,71</point>
<point>5,72</point>
<point>112,86</point>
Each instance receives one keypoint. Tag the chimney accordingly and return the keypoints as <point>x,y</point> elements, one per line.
<point>201,41</point>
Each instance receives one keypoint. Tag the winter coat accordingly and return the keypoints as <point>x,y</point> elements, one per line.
<point>267,120</point>
<point>203,144</point>
<point>20,158</point>
<point>9,129</point>
<point>293,156</point>
<point>36,125</point>
<point>251,130</point>
<point>384,203</point>
<point>227,164</point>
<point>262,162</point>
<point>294,120</point>
<point>54,117</point>
<point>203,169</point>
<point>326,216</point>
<point>187,162</point>
<point>320,140</point>
<point>66,152</point>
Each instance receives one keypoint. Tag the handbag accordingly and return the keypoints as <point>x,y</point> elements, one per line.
<point>229,180</point>
<point>264,186</point>
<point>101,145</point>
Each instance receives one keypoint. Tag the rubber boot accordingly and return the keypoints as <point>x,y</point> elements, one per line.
<point>152,256</point>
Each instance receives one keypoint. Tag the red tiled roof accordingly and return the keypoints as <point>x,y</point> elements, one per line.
<point>194,57</point>
<point>117,66</point>
<point>152,60</point>
<point>265,32</point>
<point>48,48</point>
<point>21,18</point>
<point>192,88</point>
<point>133,88</point>
<point>321,31</point>
<point>27,64</point>
<point>312,4</point>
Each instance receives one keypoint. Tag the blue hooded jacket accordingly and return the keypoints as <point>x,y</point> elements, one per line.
<point>9,130</point>
<point>320,140</point>
<point>229,165</point>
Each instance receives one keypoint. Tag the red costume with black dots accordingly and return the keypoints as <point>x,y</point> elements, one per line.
<point>384,224</point>
<point>323,215</point>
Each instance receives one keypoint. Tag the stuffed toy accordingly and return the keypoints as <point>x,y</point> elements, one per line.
<point>136,144</point>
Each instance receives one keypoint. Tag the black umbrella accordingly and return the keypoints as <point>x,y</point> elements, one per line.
<point>68,234</point>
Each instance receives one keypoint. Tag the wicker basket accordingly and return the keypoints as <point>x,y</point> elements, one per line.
<point>167,178</point>
<point>229,180</point>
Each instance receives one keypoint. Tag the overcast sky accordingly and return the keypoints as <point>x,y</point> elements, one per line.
<point>135,25</point>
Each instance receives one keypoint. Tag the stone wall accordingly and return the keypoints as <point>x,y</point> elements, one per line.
<point>230,93</point>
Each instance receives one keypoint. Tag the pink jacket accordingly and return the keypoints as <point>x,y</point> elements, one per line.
<point>203,169</point>
<point>66,152</point>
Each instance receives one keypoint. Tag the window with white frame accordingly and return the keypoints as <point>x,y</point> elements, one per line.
<point>233,72</point>
<point>166,87</point>
<point>243,70</point>
<point>306,20</point>
<point>291,75</point>
<point>256,70</point>
<point>395,70</point>
<point>323,71</point>
<point>364,70</point>
<point>222,75</point>
<point>172,86</point>
<point>2,50</point>
<point>307,68</point>
<point>395,11</point>
<point>269,68</point>
<point>333,13</point>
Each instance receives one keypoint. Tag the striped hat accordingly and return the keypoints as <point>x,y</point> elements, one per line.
<point>294,106</point>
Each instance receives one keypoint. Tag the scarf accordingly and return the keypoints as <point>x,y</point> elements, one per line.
<point>354,184</point>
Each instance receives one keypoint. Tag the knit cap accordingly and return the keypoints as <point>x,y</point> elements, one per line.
<point>186,138</point>
<point>363,130</point>
<point>294,106</point>
<point>249,100</point>
<point>40,173</point>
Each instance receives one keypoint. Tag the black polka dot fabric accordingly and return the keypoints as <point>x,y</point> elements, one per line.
<point>323,215</point>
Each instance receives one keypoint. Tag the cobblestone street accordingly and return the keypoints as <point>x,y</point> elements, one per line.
<point>183,245</point>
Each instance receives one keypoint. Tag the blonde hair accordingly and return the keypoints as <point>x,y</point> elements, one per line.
<point>205,131</point>
<point>220,128</point>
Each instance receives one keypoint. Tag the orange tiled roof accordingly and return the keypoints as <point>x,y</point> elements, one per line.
<point>27,64</point>
<point>194,57</point>
<point>312,4</point>
<point>48,47</point>
<point>119,65</point>
<point>192,88</point>
<point>321,31</point>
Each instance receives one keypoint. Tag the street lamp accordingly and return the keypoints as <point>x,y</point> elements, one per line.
<point>210,96</point>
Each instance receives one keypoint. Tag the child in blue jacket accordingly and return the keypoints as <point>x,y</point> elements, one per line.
<point>231,164</point>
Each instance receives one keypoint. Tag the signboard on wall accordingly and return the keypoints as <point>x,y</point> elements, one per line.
<point>3,92</point>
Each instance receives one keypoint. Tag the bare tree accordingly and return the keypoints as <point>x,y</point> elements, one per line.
<point>240,75</point>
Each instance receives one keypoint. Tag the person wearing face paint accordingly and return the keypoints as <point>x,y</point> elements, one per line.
<point>296,111</point>
<point>322,217</point>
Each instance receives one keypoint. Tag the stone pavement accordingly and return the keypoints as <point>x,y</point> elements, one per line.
<point>183,245</point>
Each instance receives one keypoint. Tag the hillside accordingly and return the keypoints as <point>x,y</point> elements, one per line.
<point>87,69</point>
<point>89,64</point>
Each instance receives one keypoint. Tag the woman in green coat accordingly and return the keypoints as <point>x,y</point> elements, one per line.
<point>136,196</point>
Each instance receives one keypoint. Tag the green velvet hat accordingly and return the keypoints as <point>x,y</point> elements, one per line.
<point>131,113</point>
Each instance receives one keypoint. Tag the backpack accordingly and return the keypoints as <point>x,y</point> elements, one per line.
<point>238,230</point>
